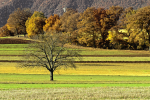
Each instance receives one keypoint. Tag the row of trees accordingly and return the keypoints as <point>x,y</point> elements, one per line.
<point>94,27</point>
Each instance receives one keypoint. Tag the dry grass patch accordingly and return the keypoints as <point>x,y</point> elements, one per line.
<point>94,93</point>
<point>131,69</point>
<point>113,50</point>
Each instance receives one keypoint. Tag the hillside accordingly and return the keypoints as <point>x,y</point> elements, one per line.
<point>50,7</point>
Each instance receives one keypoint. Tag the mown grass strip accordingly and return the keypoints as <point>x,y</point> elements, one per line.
<point>15,47</point>
<point>71,79</point>
<point>23,86</point>
<point>90,59</point>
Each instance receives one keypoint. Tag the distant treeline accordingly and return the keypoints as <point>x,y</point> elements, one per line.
<point>113,28</point>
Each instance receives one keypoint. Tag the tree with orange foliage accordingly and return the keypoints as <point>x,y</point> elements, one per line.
<point>52,23</point>
<point>5,32</point>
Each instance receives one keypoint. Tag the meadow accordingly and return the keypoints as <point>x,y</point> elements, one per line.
<point>90,81</point>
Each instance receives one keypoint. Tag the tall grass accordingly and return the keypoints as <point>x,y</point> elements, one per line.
<point>94,93</point>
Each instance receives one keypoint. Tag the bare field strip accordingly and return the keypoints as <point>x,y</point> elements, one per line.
<point>94,93</point>
<point>124,62</point>
<point>22,52</point>
<point>14,41</point>
<point>133,69</point>
<point>142,55</point>
<point>83,59</point>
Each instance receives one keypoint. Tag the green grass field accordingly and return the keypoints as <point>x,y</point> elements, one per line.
<point>72,79</point>
<point>13,46</point>
<point>39,86</point>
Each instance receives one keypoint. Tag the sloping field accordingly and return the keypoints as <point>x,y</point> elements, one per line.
<point>94,61</point>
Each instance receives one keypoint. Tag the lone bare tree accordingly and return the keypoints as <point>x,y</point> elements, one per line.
<point>50,53</point>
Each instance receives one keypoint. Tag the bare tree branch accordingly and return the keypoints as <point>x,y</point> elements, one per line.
<point>51,54</point>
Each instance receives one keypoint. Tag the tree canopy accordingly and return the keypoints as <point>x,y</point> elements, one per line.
<point>34,24</point>
<point>17,19</point>
<point>5,32</point>
<point>138,26</point>
<point>52,23</point>
<point>88,30</point>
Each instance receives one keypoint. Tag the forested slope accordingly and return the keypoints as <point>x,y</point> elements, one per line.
<point>50,7</point>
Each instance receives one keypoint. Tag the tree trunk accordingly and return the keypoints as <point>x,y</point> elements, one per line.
<point>149,40</point>
<point>51,75</point>
<point>17,32</point>
<point>94,43</point>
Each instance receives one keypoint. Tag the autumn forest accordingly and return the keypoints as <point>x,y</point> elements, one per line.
<point>112,28</point>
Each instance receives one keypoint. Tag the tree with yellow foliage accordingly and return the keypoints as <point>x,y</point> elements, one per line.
<point>35,24</point>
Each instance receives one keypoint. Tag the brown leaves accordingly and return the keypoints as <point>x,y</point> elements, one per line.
<point>138,26</point>
<point>5,32</point>
<point>88,29</point>
<point>17,19</point>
